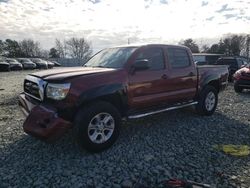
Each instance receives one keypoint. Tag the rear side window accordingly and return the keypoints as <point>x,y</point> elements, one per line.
<point>178,58</point>
<point>155,57</point>
<point>230,62</point>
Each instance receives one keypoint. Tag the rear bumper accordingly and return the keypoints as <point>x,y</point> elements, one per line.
<point>42,122</point>
<point>243,83</point>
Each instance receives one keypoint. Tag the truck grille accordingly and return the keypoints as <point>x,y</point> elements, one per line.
<point>32,89</point>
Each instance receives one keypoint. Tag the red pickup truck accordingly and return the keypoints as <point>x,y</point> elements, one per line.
<point>117,83</point>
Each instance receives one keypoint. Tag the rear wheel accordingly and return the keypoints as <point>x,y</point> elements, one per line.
<point>207,101</point>
<point>237,88</point>
<point>97,126</point>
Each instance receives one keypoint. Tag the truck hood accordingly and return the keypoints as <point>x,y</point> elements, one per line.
<point>59,74</point>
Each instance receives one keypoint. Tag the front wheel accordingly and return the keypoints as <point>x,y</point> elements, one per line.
<point>207,101</point>
<point>97,126</point>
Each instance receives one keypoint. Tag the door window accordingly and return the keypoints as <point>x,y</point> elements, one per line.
<point>154,57</point>
<point>178,58</point>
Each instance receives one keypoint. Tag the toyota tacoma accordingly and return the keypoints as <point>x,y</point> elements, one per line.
<point>117,83</point>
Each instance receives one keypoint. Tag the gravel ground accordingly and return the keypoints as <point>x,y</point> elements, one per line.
<point>176,144</point>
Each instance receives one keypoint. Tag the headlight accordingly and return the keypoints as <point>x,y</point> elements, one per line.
<point>57,91</point>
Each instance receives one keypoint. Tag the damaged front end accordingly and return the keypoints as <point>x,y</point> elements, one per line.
<point>42,120</point>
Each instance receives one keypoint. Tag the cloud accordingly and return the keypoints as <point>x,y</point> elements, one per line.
<point>210,18</point>
<point>95,1</point>
<point>204,3</point>
<point>224,8</point>
<point>4,1</point>
<point>223,23</point>
<point>164,1</point>
<point>112,22</point>
<point>228,16</point>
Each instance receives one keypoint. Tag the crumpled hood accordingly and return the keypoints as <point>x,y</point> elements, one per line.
<point>58,74</point>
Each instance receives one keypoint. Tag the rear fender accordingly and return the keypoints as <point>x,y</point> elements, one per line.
<point>213,80</point>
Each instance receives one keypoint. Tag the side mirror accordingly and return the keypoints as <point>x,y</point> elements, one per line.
<point>141,64</point>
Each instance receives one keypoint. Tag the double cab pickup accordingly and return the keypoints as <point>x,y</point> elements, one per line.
<point>117,83</point>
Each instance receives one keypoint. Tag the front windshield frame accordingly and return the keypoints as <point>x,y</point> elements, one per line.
<point>96,61</point>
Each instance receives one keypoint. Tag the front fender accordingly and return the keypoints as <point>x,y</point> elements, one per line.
<point>105,91</point>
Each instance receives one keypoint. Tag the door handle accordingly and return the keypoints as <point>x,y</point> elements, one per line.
<point>191,74</point>
<point>164,76</point>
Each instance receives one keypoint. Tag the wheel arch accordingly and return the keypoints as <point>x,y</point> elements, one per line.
<point>114,94</point>
<point>212,80</point>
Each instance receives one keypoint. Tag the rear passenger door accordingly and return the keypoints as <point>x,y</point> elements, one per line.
<point>182,75</point>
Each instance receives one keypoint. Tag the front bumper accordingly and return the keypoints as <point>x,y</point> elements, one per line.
<point>42,121</point>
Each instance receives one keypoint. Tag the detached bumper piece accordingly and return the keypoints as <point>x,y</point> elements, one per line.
<point>43,122</point>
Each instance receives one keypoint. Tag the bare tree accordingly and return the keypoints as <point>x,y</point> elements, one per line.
<point>1,47</point>
<point>232,45</point>
<point>44,54</point>
<point>246,47</point>
<point>61,48</point>
<point>30,48</point>
<point>79,48</point>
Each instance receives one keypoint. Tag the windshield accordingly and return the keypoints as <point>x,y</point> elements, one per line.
<point>111,58</point>
<point>11,61</point>
<point>26,60</point>
<point>37,60</point>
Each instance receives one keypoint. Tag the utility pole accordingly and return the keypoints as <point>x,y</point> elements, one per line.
<point>248,46</point>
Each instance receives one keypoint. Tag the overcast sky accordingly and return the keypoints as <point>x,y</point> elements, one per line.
<point>111,22</point>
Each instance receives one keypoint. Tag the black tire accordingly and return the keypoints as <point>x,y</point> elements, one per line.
<point>83,119</point>
<point>201,107</point>
<point>237,88</point>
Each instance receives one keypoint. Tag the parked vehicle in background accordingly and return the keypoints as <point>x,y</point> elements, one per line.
<point>4,66</point>
<point>27,63</point>
<point>14,64</point>
<point>40,64</point>
<point>242,79</point>
<point>233,64</point>
<point>206,58</point>
<point>123,82</point>
<point>50,64</point>
<point>56,64</point>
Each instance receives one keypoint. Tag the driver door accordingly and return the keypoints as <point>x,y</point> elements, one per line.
<point>148,87</point>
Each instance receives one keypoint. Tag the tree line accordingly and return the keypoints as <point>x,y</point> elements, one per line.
<point>74,47</point>
<point>231,45</point>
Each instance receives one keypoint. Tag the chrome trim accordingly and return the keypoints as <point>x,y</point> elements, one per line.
<point>25,113</point>
<point>41,84</point>
<point>163,110</point>
<point>32,96</point>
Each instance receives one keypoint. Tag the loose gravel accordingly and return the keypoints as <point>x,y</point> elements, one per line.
<point>149,151</point>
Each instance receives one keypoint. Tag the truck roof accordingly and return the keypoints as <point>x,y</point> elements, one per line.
<point>149,44</point>
<point>206,54</point>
